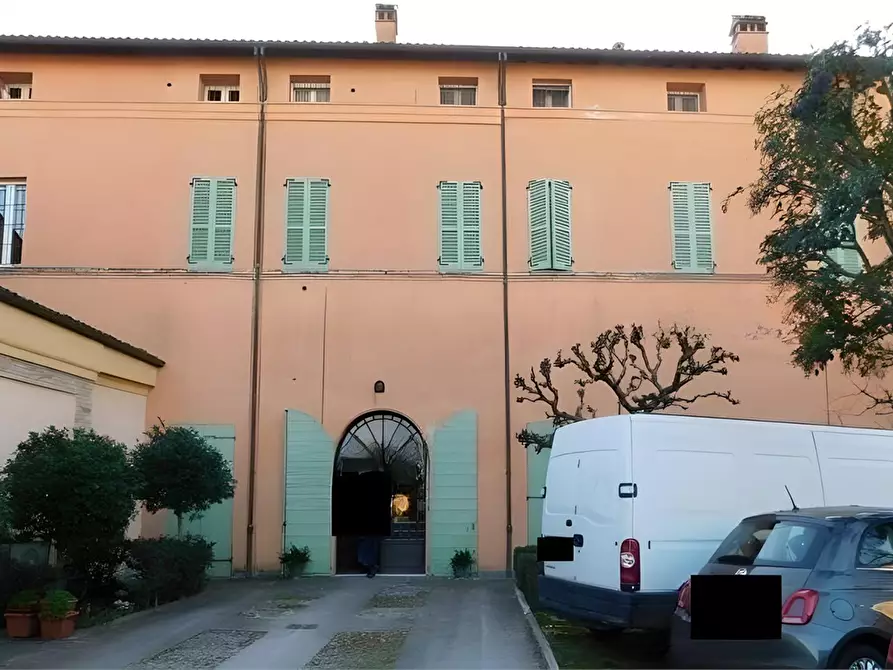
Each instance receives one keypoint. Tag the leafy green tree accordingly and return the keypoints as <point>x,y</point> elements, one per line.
<point>621,361</point>
<point>178,470</point>
<point>826,165</point>
<point>77,490</point>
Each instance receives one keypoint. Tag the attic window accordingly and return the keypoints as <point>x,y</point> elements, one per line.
<point>683,97</point>
<point>551,93</point>
<point>220,88</point>
<point>458,90</point>
<point>311,88</point>
<point>15,85</point>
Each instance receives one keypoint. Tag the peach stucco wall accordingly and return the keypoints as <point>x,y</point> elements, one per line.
<point>108,150</point>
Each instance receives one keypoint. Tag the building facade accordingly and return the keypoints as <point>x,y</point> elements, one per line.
<point>312,235</point>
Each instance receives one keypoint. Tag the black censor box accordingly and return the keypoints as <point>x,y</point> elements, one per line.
<point>554,549</point>
<point>735,607</point>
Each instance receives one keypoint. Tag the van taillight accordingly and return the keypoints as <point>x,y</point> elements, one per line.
<point>630,568</point>
<point>683,602</point>
<point>799,608</point>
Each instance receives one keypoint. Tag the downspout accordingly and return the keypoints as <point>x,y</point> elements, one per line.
<point>505,321</point>
<point>259,196</point>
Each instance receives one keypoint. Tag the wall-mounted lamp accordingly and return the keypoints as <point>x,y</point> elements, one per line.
<point>379,387</point>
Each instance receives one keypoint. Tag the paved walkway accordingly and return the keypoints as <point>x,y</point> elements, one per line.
<point>326,622</point>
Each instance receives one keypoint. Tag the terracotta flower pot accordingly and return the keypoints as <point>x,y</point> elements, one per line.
<point>21,624</point>
<point>56,629</point>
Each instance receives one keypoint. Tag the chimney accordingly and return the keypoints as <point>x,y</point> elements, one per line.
<point>386,23</point>
<point>749,35</point>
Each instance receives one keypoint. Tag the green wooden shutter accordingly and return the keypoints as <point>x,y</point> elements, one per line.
<point>702,227</point>
<point>681,219</point>
<point>539,221</point>
<point>215,524</point>
<point>848,259</point>
<point>213,215</point>
<point>309,457</point>
<point>449,227</point>
<point>453,508</point>
<point>224,198</point>
<point>318,225</point>
<point>295,224</point>
<point>470,226</point>
<point>537,468</point>
<point>306,225</point>
<point>200,224</point>
<point>560,223</point>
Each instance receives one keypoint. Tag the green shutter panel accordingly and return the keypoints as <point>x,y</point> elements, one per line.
<point>681,218</point>
<point>449,226</point>
<point>560,222</point>
<point>318,225</point>
<point>470,229</point>
<point>200,222</point>
<point>703,227</point>
<point>295,222</point>
<point>848,259</point>
<point>539,221</point>
<point>224,198</point>
<point>453,507</point>
<point>307,504</point>
<point>215,524</point>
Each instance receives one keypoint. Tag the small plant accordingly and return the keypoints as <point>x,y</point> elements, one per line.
<point>293,560</point>
<point>462,563</point>
<point>57,604</point>
<point>24,601</point>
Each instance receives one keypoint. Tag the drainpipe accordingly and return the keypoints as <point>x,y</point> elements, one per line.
<point>259,196</point>
<point>505,322</point>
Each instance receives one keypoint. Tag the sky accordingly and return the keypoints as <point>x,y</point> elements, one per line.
<point>795,26</point>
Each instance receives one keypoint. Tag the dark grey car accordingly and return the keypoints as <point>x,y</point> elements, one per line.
<point>836,567</point>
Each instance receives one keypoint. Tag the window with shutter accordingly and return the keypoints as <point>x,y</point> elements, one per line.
<point>692,226</point>
<point>212,220</point>
<point>460,226</point>
<point>306,225</point>
<point>549,216</point>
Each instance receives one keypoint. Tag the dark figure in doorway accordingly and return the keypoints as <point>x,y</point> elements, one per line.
<point>368,553</point>
<point>372,493</point>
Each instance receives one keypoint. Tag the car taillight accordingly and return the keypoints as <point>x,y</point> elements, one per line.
<point>683,602</point>
<point>630,569</point>
<point>889,663</point>
<point>799,607</point>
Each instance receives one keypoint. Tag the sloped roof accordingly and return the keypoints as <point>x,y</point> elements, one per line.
<point>393,51</point>
<point>70,323</point>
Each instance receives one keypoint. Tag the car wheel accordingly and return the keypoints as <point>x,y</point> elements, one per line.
<point>861,657</point>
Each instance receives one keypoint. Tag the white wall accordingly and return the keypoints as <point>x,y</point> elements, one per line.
<point>121,416</point>
<point>26,407</point>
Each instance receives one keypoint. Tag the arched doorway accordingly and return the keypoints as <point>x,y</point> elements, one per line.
<point>391,445</point>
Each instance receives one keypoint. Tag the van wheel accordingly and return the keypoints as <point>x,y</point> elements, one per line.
<point>861,657</point>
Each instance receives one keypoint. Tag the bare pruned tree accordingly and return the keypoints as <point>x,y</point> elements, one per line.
<point>621,360</point>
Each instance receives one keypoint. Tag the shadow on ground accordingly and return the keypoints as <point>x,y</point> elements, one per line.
<point>576,648</point>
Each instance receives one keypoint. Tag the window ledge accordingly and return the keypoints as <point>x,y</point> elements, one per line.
<point>304,269</point>
<point>210,267</point>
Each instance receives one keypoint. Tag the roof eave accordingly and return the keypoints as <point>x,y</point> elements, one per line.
<point>395,51</point>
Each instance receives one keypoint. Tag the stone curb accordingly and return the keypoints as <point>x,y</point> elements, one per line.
<point>538,634</point>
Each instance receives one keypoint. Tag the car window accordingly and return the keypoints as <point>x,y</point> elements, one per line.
<point>770,542</point>
<point>876,547</point>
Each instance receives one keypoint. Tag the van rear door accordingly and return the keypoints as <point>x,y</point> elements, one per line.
<point>559,507</point>
<point>604,516</point>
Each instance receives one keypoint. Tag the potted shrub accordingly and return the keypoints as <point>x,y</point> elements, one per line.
<point>294,561</point>
<point>21,614</point>
<point>462,563</point>
<point>57,615</point>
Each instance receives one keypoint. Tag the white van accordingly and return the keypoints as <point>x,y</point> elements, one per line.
<point>648,498</point>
